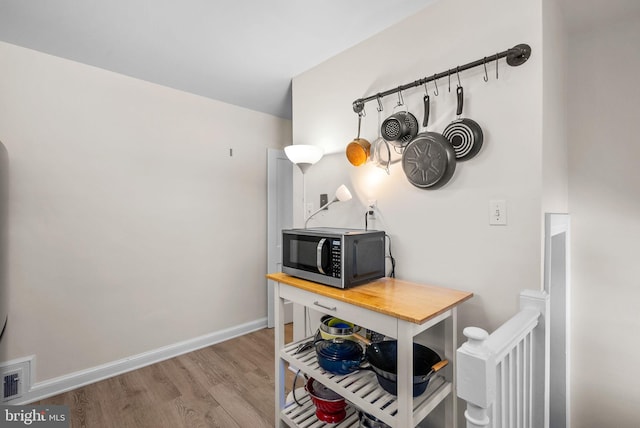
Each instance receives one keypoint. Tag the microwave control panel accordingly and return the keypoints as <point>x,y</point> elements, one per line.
<point>336,258</point>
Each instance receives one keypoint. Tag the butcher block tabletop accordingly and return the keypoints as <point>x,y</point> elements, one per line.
<point>400,299</point>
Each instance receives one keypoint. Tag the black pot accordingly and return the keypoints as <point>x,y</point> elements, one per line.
<point>383,358</point>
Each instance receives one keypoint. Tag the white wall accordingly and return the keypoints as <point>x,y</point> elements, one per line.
<point>441,236</point>
<point>605,214</point>
<point>539,156</point>
<point>131,227</point>
<point>554,138</point>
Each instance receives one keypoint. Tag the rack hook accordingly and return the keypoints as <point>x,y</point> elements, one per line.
<point>486,75</point>
<point>360,114</point>
<point>426,89</point>
<point>435,82</point>
<point>458,74</point>
<point>379,104</point>
<point>497,67</point>
<point>400,100</point>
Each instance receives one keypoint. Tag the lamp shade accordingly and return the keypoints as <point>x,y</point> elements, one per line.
<point>303,155</point>
<point>343,194</point>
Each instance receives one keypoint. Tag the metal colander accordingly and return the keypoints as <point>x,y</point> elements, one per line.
<point>399,128</point>
<point>392,129</point>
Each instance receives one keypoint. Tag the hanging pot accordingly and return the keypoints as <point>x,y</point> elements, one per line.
<point>464,135</point>
<point>428,161</point>
<point>359,149</point>
<point>381,154</point>
<point>380,151</point>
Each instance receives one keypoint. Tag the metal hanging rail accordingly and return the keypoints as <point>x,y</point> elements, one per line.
<point>517,55</point>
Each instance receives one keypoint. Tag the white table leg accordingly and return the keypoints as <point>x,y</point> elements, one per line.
<point>405,375</point>
<point>278,320</point>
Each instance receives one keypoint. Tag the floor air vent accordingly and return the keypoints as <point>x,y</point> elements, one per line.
<point>15,377</point>
<point>11,386</point>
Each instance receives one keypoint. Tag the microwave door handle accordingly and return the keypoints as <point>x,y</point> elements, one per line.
<point>319,255</point>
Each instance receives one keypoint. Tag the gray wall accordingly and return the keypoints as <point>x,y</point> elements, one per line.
<point>604,180</point>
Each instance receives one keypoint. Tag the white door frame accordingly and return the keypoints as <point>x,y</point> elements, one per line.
<point>279,216</point>
<point>557,284</point>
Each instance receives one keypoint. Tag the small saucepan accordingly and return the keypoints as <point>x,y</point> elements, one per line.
<point>358,150</point>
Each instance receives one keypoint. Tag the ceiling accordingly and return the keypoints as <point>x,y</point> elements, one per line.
<point>243,52</point>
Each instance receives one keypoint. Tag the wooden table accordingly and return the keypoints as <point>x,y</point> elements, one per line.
<point>398,309</point>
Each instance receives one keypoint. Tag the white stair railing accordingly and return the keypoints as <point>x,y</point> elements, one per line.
<point>503,377</point>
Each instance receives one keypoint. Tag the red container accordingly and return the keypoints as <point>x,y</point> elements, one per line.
<point>330,407</point>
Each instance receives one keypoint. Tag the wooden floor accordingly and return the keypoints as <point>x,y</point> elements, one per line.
<point>227,385</point>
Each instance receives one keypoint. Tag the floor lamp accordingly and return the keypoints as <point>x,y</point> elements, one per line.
<point>304,156</point>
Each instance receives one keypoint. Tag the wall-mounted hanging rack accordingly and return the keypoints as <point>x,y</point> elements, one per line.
<point>517,55</point>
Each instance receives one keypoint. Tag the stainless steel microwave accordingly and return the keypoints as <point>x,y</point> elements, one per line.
<point>331,256</point>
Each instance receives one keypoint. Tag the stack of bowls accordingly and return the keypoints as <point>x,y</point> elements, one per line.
<point>335,328</point>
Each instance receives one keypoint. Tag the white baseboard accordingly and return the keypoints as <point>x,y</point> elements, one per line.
<point>51,387</point>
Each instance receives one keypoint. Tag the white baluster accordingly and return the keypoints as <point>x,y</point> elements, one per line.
<point>476,377</point>
<point>504,376</point>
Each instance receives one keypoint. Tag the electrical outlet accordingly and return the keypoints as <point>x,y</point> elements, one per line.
<point>372,206</point>
<point>498,212</point>
<point>324,200</point>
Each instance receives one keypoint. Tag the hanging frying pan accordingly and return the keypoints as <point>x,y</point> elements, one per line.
<point>465,135</point>
<point>428,161</point>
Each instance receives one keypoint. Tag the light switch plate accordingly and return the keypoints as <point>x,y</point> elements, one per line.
<point>498,212</point>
